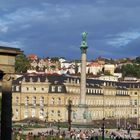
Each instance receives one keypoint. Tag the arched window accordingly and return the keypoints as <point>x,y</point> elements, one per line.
<point>17,112</point>
<point>52,113</point>
<point>33,112</point>
<point>26,101</point>
<point>42,101</point>
<point>35,88</point>
<point>34,101</point>
<point>41,114</point>
<point>53,100</point>
<point>59,101</point>
<point>27,88</point>
<point>26,113</point>
<point>17,100</point>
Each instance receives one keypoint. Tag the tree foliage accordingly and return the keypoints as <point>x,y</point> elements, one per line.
<point>54,59</point>
<point>22,64</point>
<point>137,60</point>
<point>131,70</point>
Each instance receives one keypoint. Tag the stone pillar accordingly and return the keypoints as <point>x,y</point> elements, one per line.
<point>82,111</point>
<point>6,113</point>
<point>83,77</point>
<point>7,70</point>
<point>83,69</point>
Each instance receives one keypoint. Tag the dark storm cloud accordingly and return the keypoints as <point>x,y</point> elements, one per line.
<point>53,27</point>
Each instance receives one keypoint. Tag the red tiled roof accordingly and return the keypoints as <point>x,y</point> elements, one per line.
<point>31,56</point>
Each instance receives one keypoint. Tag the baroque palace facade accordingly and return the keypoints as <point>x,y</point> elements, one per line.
<point>46,97</point>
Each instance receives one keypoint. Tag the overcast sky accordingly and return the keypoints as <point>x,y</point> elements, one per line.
<point>51,28</point>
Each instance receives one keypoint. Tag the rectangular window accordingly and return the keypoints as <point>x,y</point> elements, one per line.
<point>135,102</point>
<point>130,101</point>
<point>59,113</point>
<point>135,111</point>
<point>33,113</point>
<point>16,112</point>
<point>26,114</point>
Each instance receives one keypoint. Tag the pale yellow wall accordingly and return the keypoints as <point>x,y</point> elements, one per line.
<point>108,106</point>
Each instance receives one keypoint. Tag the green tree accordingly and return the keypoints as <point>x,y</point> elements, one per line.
<point>107,73</point>
<point>131,70</point>
<point>22,64</point>
<point>54,59</point>
<point>137,60</point>
<point>118,70</point>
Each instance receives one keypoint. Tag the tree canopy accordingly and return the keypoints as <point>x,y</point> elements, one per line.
<point>22,64</point>
<point>131,70</point>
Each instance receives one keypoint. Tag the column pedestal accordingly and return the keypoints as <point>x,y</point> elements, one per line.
<point>81,114</point>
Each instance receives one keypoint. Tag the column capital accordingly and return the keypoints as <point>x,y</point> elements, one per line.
<point>8,77</point>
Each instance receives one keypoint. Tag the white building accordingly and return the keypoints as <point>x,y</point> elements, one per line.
<point>110,68</point>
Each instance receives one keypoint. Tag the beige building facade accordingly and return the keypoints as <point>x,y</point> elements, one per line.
<point>46,97</point>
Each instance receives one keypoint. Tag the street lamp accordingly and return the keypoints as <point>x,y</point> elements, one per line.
<point>58,124</point>
<point>47,116</point>
<point>69,114</point>
<point>103,129</point>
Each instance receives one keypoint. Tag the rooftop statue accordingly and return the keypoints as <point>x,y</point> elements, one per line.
<point>84,36</point>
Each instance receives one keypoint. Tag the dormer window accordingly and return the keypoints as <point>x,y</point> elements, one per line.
<point>38,80</point>
<point>23,79</point>
<point>17,88</point>
<point>31,79</point>
<point>78,81</point>
<point>12,88</point>
<point>59,88</point>
<point>46,80</point>
<point>53,88</point>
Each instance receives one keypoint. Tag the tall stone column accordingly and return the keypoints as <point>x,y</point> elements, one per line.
<point>82,111</point>
<point>83,69</point>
